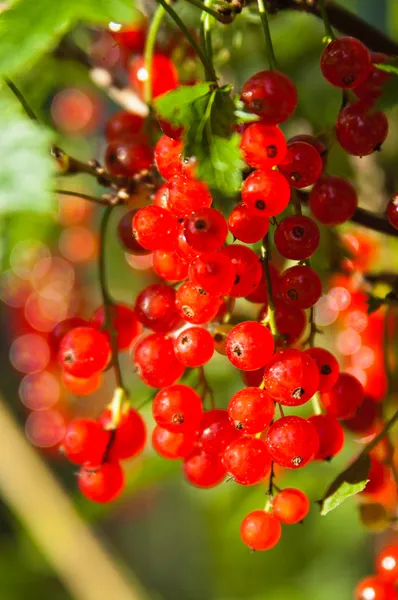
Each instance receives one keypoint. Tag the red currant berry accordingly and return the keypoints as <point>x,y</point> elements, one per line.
<point>290,506</point>
<point>187,195</point>
<point>260,294</point>
<point>155,308</point>
<point>328,368</point>
<point>62,329</point>
<point>378,477</point>
<point>290,322</point>
<point>271,95</point>
<point>360,130</point>
<point>302,165</point>
<point>155,361</point>
<point>125,234</point>
<point>173,445</point>
<point>168,156</point>
<point>331,436</point>
<point>345,397</point>
<point>375,588</point>
<point>84,351</point>
<point>345,62</point>
<point>194,347</point>
<point>124,320</point>
<point>169,266</point>
<point>125,157</point>
<point>247,460</point>
<point>249,345</point>
<point>387,563</point>
<point>392,211</point>
<point>214,272</point>
<point>154,228</point>
<point>252,378</point>
<point>161,196</point>
<point>371,88</point>
<point>164,75</point>
<point>129,437</point>
<point>333,200</point>
<point>292,442</point>
<point>172,131</point>
<point>123,124</point>
<point>204,470</point>
<point>300,286</point>
<point>248,270</point>
<point>85,442</point>
<point>260,530</point>
<point>315,142</point>
<point>263,146</point>
<point>82,387</point>
<point>215,432</point>
<point>205,230</point>
<point>364,420</point>
<point>195,305</point>
<point>266,193</point>
<point>245,226</point>
<point>103,484</point>
<point>251,410</point>
<point>131,36</point>
<point>177,408</point>
<point>291,377</point>
<point>297,237</point>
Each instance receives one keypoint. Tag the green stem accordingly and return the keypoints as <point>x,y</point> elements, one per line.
<point>149,50</point>
<point>177,20</point>
<point>268,41</point>
<point>204,6</point>
<point>85,196</point>
<point>316,405</point>
<point>20,97</point>
<point>265,257</point>
<point>205,30</point>
<point>328,28</point>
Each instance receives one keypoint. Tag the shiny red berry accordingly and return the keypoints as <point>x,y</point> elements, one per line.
<point>245,226</point>
<point>164,74</point>
<point>378,476</point>
<point>297,237</point>
<point>290,506</point>
<point>62,329</point>
<point>248,270</point>
<point>214,272</point>
<point>332,200</point>
<point>371,88</point>
<point>172,131</point>
<point>315,142</point>
<point>290,322</point>
<point>195,305</point>
<point>247,460</point>
<point>125,234</point>
<point>260,294</point>
<point>263,146</point>
<point>376,588</point>
<point>204,470</point>
<point>266,193</point>
<point>360,130</point>
<point>249,345</point>
<point>364,420</point>
<point>251,410</point>
<point>302,165</point>
<point>129,438</point>
<point>292,442</point>
<point>216,432</point>
<point>300,286</point>
<point>125,157</point>
<point>85,442</point>
<point>387,563</point>
<point>155,308</point>
<point>328,367</point>
<point>392,211</point>
<point>173,445</point>
<point>345,62</point>
<point>291,377</point>
<point>131,36</point>
<point>260,530</point>
<point>124,320</point>
<point>123,124</point>
<point>154,228</point>
<point>271,95</point>
<point>206,230</point>
<point>177,408</point>
<point>345,397</point>
<point>103,484</point>
<point>155,361</point>
<point>194,346</point>
<point>168,265</point>
<point>84,351</point>
<point>331,436</point>
<point>187,195</point>
<point>168,156</point>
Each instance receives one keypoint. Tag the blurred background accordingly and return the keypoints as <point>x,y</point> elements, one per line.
<point>165,539</point>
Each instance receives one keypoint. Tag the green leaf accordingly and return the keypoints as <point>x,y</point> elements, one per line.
<point>389,96</point>
<point>391,66</point>
<point>30,29</point>
<point>177,106</point>
<point>347,484</point>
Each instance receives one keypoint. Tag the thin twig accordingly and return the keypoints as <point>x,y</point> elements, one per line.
<point>76,194</point>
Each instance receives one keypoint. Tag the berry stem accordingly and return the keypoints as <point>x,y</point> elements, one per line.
<point>149,50</point>
<point>22,100</point>
<point>177,20</point>
<point>206,389</point>
<point>265,257</point>
<point>329,34</point>
<point>205,6</point>
<point>116,406</point>
<point>271,480</point>
<point>389,424</point>
<point>205,30</point>
<point>316,404</point>
<point>268,41</point>
<point>101,201</point>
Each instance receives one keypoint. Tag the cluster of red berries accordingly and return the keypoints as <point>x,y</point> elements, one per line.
<point>382,585</point>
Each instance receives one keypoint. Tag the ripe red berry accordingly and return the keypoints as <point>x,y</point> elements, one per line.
<point>360,130</point>
<point>247,460</point>
<point>378,477</point>
<point>387,563</point>
<point>123,124</point>
<point>292,442</point>
<point>187,195</point>
<point>126,157</point>
<point>260,294</point>
<point>172,131</point>
<point>375,588</point>
<point>62,329</point>
<point>297,237</point>
<point>205,230</point>
<point>260,530</point>
<point>177,408</point>
<point>155,361</point>
<point>300,286</point>
<point>82,387</point>
<point>215,432</point>
<point>345,62</point>
<point>333,200</point>
<point>364,420</point>
<point>129,438</point>
<point>392,211</point>
<point>103,484</point>
<point>214,272</point>
<point>161,196</point>
<point>155,228</point>
<point>263,146</point>
<point>168,156</point>
<point>251,410</point>
<point>155,308</point>
<point>345,397</point>
<point>248,270</point>
<point>302,165</point>
<point>125,234</point>
<point>290,506</point>
<point>169,265</point>
<point>84,351</point>
<point>371,88</point>
<point>290,322</point>
<point>271,95</point>
<point>331,436</point>
<point>164,74</point>
<point>173,445</point>
<point>85,442</point>
<point>291,377</point>
<point>245,226</point>
<point>266,193</point>
<point>315,142</point>
<point>195,305</point>
<point>124,320</point>
<point>132,36</point>
<point>249,345</point>
<point>194,347</point>
<point>204,470</point>
<point>328,367</point>
<point>252,378</point>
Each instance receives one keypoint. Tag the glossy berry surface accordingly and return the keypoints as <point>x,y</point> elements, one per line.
<point>172,445</point>
<point>247,460</point>
<point>125,234</point>
<point>103,484</point>
<point>360,130</point>
<point>260,530</point>
<point>164,74</point>
<point>124,320</point>
<point>375,588</point>
<point>245,226</point>
<point>187,195</point>
<point>331,436</point>
<point>266,193</point>
<point>263,146</point>
<point>387,563</point>
<point>345,397</point>
<point>84,351</point>
<point>345,62</point>
<point>271,95</point>
<point>155,307</point>
<point>333,200</point>
<point>62,329</point>
<point>372,87</point>
<point>248,270</point>
<point>313,141</point>
<point>129,437</point>
<point>292,442</point>
<point>214,272</point>
<point>300,286</point>
<point>249,345</point>
<point>392,211</point>
<point>205,230</point>
<point>290,322</point>
<point>123,124</point>
<point>291,377</point>
<point>297,237</point>
<point>155,361</point>
<point>85,442</point>
<point>80,386</point>
<point>154,228</point>
<point>290,506</point>
<point>204,470</point>
<point>194,346</point>
<point>125,157</point>
<point>216,432</point>
<point>251,410</point>
<point>168,265</point>
<point>302,165</point>
<point>168,156</point>
<point>328,367</point>
<point>378,476</point>
<point>195,305</point>
<point>177,408</point>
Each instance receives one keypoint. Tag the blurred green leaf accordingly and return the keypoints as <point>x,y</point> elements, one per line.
<point>177,106</point>
<point>389,97</point>
<point>347,484</point>
<point>390,66</point>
